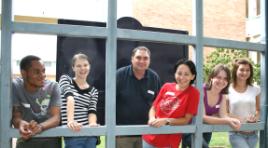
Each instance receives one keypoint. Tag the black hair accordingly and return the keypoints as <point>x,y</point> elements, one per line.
<point>188,63</point>
<point>26,62</point>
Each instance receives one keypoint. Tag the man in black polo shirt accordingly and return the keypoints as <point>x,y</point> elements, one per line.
<point>137,87</point>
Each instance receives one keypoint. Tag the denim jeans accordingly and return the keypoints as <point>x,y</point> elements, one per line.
<point>239,140</point>
<point>80,142</point>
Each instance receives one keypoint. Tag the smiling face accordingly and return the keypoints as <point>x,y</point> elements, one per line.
<point>140,60</point>
<point>183,76</point>
<point>34,76</point>
<point>243,72</point>
<point>81,68</point>
<point>220,81</point>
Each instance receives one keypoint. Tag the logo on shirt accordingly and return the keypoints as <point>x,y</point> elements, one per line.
<point>150,92</point>
<point>169,103</point>
<point>43,104</point>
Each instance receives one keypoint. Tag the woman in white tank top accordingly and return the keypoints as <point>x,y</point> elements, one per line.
<point>243,103</point>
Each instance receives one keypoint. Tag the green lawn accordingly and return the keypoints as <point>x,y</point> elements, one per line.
<point>220,139</point>
<point>102,145</point>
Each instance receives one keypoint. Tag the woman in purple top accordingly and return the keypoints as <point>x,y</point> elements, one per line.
<point>215,112</point>
<point>215,99</point>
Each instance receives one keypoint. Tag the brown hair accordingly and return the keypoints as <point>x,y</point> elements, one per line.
<point>236,64</point>
<point>215,71</point>
<point>80,56</point>
<point>140,48</point>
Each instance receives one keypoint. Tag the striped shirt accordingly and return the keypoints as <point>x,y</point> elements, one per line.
<point>85,100</point>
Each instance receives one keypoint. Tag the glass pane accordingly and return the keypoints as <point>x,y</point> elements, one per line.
<point>93,10</point>
<point>168,14</point>
<point>44,46</point>
<point>228,20</point>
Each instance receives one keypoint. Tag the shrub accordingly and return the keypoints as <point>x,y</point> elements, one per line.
<point>226,56</point>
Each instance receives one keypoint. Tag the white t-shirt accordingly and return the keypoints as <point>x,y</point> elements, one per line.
<point>243,104</point>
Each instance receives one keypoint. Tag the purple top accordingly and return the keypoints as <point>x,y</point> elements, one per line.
<point>210,110</point>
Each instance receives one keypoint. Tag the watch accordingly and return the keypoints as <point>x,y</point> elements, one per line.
<point>167,121</point>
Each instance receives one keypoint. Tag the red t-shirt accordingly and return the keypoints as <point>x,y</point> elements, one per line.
<point>172,103</point>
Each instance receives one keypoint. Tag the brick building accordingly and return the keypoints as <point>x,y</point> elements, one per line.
<point>231,19</point>
<point>222,19</point>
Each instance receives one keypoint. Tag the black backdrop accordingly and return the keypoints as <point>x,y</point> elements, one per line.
<point>163,56</point>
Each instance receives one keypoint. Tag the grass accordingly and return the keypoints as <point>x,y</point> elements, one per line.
<point>102,144</point>
<point>220,139</point>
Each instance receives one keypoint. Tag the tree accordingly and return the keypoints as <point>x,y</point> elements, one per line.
<point>226,56</point>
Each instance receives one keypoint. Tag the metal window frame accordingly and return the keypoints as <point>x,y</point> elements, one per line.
<point>111,33</point>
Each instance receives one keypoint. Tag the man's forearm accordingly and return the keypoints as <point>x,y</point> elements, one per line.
<point>50,123</point>
<point>16,122</point>
<point>16,117</point>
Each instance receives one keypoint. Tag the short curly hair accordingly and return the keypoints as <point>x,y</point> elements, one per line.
<point>26,62</point>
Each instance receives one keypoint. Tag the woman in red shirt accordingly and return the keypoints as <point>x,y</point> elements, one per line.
<point>175,104</point>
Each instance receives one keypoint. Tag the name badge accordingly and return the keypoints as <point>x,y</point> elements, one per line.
<point>170,93</point>
<point>150,92</point>
<point>26,105</point>
<point>217,106</point>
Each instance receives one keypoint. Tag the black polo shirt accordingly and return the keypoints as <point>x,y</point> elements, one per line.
<point>134,97</point>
